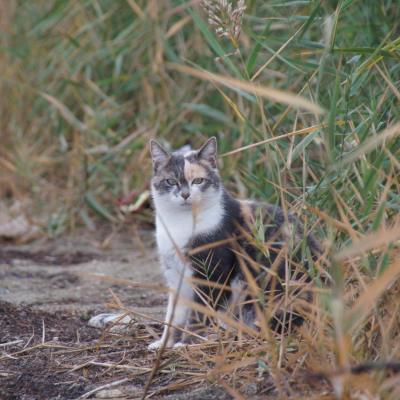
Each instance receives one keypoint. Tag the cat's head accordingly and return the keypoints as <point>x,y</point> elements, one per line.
<point>185,180</point>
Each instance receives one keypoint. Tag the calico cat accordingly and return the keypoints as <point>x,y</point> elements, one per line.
<point>206,235</point>
<point>209,242</point>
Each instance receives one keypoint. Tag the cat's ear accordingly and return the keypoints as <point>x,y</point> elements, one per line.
<point>209,151</point>
<point>159,155</point>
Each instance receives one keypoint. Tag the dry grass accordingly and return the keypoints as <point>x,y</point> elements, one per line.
<point>305,106</point>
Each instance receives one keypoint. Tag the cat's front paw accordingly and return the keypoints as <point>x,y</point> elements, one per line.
<point>159,343</point>
<point>156,345</point>
<point>179,344</point>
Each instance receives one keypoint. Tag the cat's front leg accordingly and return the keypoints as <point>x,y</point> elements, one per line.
<point>177,315</point>
<point>159,343</point>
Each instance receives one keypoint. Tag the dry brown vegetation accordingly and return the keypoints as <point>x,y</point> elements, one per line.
<point>305,105</point>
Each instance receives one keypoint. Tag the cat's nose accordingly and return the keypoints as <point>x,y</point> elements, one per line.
<point>185,195</point>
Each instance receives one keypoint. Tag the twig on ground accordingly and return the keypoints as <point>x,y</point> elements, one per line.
<point>108,385</point>
<point>11,343</point>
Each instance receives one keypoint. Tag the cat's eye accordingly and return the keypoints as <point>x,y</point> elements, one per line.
<point>197,181</point>
<point>172,182</point>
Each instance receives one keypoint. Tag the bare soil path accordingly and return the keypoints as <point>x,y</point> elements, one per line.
<point>48,291</point>
<point>61,275</point>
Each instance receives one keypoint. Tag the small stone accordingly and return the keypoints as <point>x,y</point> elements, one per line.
<point>109,394</point>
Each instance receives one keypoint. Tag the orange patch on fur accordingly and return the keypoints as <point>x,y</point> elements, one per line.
<point>193,170</point>
<point>246,211</point>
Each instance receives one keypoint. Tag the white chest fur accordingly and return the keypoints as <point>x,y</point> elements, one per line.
<point>175,228</point>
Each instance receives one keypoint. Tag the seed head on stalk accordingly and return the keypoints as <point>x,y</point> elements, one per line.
<point>225,18</point>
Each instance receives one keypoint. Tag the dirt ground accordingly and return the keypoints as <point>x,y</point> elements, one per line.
<point>48,291</point>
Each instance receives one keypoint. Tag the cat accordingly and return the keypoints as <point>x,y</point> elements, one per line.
<point>207,242</point>
<point>205,233</point>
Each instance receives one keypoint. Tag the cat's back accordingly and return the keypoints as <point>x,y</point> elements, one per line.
<point>269,222</point>
<point>252,216</point>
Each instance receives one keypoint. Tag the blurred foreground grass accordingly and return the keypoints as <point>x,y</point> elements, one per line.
<point>86,83</point>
